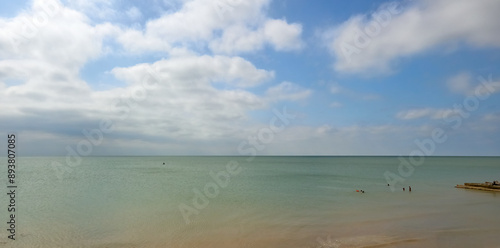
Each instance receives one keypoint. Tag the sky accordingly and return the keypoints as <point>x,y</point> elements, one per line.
<point>262,77</point>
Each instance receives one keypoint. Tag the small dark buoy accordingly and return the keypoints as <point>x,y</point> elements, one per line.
<point>403,189</point>
<point>164,163</point>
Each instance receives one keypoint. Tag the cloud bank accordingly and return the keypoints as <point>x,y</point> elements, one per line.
<point>375,43</point>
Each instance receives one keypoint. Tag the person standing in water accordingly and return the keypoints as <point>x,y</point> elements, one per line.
<point>409,188</point>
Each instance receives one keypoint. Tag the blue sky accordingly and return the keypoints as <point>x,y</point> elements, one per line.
<point>359,77</point>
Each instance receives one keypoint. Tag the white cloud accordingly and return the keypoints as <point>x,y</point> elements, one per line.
<point>336,105</point>
<point>460,83</point>
<point>198,97</point>
<point>238,38</point>
<point>347,140</point>
<point>237,28</point>
<point>184,107</point>
<point>413,114</point>
<point>287,91</point>
<point>202,69</point>
<point>186,104</point>
<point>194,23</point>
<point>283,36</point>
<point>44,57</point>
<point>389,35</point>
<point>336,89</point>
<point>425,112</point>
<point>63,32</point>
<point>242,39</point>
<point>464,84</point>
<point>485,88</point>
<point>133,13</point>
<point>487,123</point>
<point>136,41</point>
<point>97,9</point>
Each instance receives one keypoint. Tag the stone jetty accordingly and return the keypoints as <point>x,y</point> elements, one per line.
<point>487,186</point>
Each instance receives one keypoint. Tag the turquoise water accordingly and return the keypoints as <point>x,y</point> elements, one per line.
<point>268,202</point>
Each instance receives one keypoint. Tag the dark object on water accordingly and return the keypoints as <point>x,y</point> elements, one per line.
<point>163,163</point>
<point>488,186</point>
<point>388,185</point>
<point>409,188</point>
<point>403,189</point>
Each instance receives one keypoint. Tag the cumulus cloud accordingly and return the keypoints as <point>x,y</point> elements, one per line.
<point>374,43</point>
<point>173,103</point>
<point>197,69</point>
<point>283,36</point>
<point>42,51</point>
<point>178,100</point>
<point>277,33</point>
<point>49,32</point>
<point>184,105</point>
<point>237,28</point>
<point>238,38</point>
<point>97,9</point>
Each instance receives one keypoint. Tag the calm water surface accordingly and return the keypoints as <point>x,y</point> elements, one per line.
<point>268,202</point>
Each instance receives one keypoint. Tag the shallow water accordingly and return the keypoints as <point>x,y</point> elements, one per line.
<point>271,202</point>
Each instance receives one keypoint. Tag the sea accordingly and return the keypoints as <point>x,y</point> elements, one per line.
<point>217,201</point>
